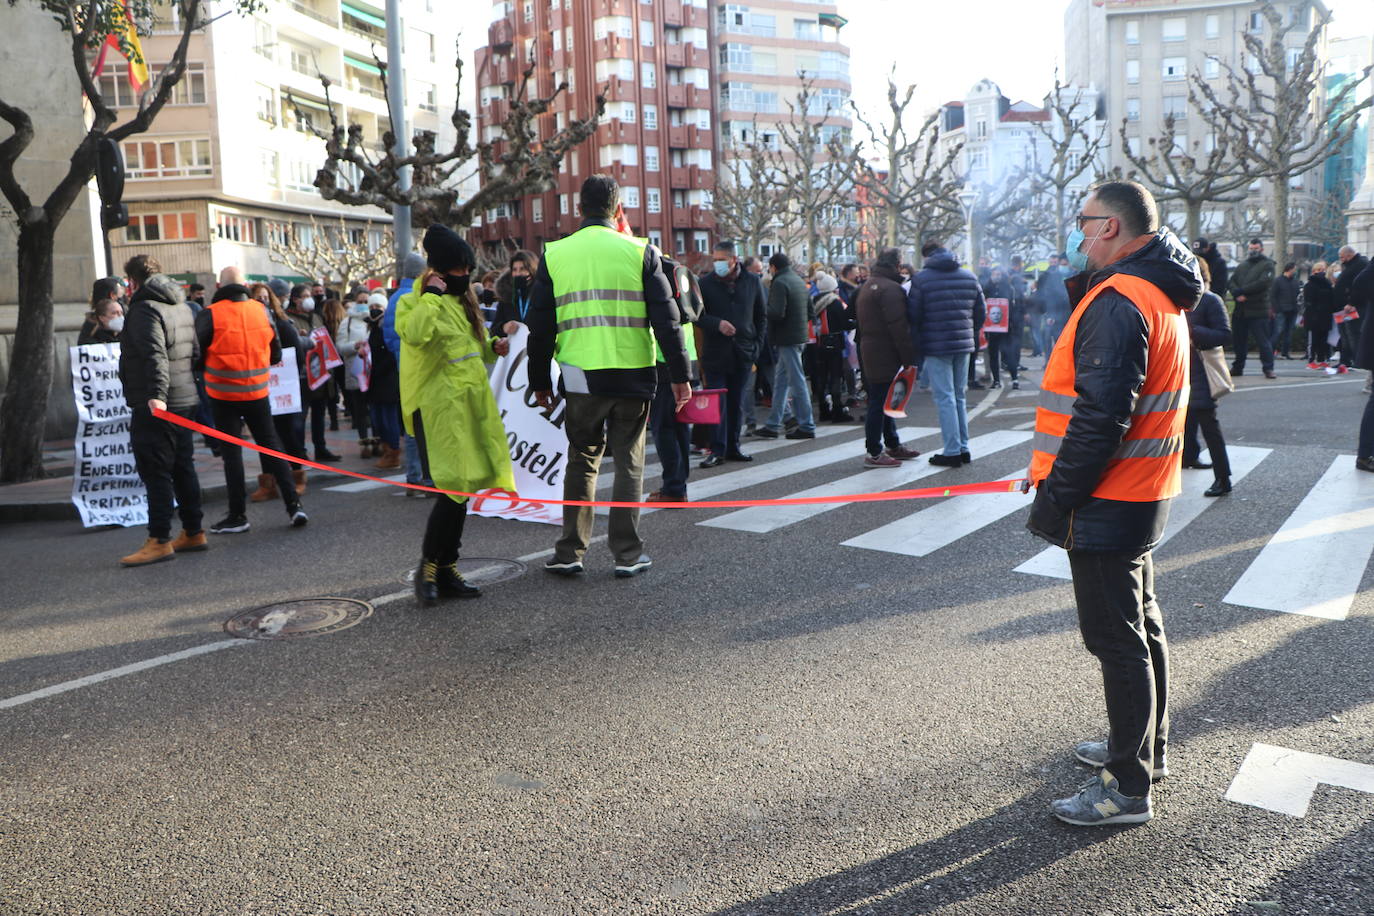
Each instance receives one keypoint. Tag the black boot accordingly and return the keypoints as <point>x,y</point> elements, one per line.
<point>1220,487</point>
<point>451,585</point>
<point>426,584</point>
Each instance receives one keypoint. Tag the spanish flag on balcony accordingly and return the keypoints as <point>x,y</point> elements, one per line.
<point>138,66</point>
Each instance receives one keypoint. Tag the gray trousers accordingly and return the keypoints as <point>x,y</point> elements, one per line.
<point>593,423</point>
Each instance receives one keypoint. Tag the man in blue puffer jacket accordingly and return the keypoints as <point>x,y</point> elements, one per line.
<point>945,311</point>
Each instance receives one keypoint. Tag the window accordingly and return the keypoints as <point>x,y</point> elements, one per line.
<point>304,234</point>
<point>156,227</point>
<point>1132,71</point>
<point>558,40</point>
<point>609,67</point>
<point>651,158</point>
<point>646,33</point>
<point>265,102</point>
<point>655,200</point>
<point>1211,68</point>
<point>563,203</point>
<point>1212,26</point>
<point>300,59</point>
<point>701,242</point>
<point>656,238</point>
<point>117,93</point>
<point>276,232</point>
<point>978,159</point>
<point>981,128</point>
<point>1175,68</point>
<point>708,200</point>
<point>529,11</point>
<point>268,163</point>
<point>763,24</point>
<point>806,30</point>
<point>1256,22</point>
<point>300,176</point>
<point>613,25</point>
<point>628,112</point>
<point>537,210</point>
<point>737,57</point>
<point>429,100</point>
<point>733,17</point>
<point>704,118</point>
<point>651,117</point>
<point>766,102</point>
<point>648,75</point>
<point>630,195</point>
<point>264,39</point>
<point>1175,28</point>
<point>1176,107</point>
<point>188,158</point>
<point>1133,31</point>
<point>1133,109</point>
<point>766,62</point>
<point>234,228</point>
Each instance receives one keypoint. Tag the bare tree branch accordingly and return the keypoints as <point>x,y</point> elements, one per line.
<point>331,253</point>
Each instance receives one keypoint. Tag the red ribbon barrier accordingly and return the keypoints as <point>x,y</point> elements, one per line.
<point>992,486</point>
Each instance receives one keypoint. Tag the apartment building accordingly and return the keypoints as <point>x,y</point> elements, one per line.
<point>653,60</point>
<point>764,50</point>
<point>1141,53</point>
<point>230,162</point>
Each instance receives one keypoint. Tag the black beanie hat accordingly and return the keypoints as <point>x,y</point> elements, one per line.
<point>446,249</point>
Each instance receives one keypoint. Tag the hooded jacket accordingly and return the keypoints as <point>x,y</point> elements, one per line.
<point>158,346</point>
<point>885,336</point>
<point>1109,351</point>
<point>945,307</point>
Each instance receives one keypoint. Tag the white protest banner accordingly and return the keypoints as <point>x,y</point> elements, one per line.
<point>106,488</point>
<point>284,384</point>
<point>538,445</point>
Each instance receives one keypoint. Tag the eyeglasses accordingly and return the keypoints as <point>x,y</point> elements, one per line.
<point>1083,219</point>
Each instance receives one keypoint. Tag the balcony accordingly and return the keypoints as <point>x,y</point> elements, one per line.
<point>699,178</point>
<point>677,137</point>
<point>617,131</point>
<point>698,57</point>
<point>503,70</point>
<point>610,46</point>
<point>672,12</point>
<point>500,35</point>
<point>677,96</point>
<point>675,55</point>
<point>306,9</point>
<point>696,17</point>
<point>612,8</point>
<point>619,90</point>
<point>679,176</point>
<point>702,219</point>
<point>497,111</point>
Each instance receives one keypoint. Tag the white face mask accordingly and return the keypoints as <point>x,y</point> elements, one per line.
<point>307,304</point>
<point>116,324</point>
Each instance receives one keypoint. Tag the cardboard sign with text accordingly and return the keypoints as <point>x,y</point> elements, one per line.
<point>106,488</point>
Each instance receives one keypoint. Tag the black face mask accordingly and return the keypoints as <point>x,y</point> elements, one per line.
<point>457,285</point>
<point>521,283</point>
<point>374,314</point>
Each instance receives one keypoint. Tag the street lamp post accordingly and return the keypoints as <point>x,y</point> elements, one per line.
<point>400,127</point>
<point>967,198</point>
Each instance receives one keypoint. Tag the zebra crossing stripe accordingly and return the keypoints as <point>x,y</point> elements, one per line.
<point>759,473</point>
<point>1314,563</point>
<point>358,486</point>
<point>752,446</point>
<point>762,519</point>
<point>922,533</point>
<point>1187,506</point>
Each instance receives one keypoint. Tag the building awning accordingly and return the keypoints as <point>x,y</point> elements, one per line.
<point>267,278</point>
<point>362,65</point>
<point>831,19</point>
<point>307,102</point>
<point>364,15</point>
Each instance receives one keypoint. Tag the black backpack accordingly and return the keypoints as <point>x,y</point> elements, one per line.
<point>686,292</point>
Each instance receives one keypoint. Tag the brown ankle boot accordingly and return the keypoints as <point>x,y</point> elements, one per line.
<point>192,543</point>
<point>152,551</point>
<point>365,449</point>
<point>298,475</point>
<point>391,459</point>
<point>267,489</point>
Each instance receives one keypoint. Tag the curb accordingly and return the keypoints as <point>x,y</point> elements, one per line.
<point>65,510</point>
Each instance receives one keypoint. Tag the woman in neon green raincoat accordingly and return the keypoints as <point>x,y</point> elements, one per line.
<point>448,405</point>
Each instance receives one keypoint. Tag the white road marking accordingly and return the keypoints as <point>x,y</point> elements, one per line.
<point>134,668</point>
<point>762,519</point>
<point>358,486</point>
<point>1187,506</point>
<point>1283,780</point>
<point>1339,381</point>
<point>1314,563</point>
<point>922,533</point>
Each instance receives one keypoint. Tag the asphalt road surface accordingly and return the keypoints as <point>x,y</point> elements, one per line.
<point>865,709</point>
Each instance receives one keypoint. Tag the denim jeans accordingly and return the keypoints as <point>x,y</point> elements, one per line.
<point>386,422</point>
<point>415,471</point>
<point>1003,349</point>
<point>879,428</point>
<point>1122,627</point>
<point>672,439</point>
<point>789,381</point>
<point>1281,332</point>
<point>948,376</point>
<point>735,380</point>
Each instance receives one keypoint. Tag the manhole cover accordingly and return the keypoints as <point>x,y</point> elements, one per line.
<point>299,617</point>
<point>483,570</point>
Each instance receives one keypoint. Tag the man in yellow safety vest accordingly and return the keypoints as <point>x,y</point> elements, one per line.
<point>600,301</point>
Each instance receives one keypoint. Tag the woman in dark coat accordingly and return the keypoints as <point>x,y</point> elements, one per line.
<point>1208,328</point>
<point>887,347</point>
<point>1004,348</point>
<point>1318,301</point>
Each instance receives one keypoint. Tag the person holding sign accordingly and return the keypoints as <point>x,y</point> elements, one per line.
<point>238,347</point>
<point>1002,327</point>
<point>448,406</point>
<point>156,352</point>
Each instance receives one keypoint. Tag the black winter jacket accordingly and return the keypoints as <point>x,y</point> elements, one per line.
<point>741,302</point>
<point>158,347</point>
<point>1208,327</point>
<point>1362,297</point>
<point>508,302</point>
<point>945,307</point>
<point>1109,351</point>
<point>1283,295</point>
<point>1350,270</point>
<point>385,387</point>
<point>1318,301</point>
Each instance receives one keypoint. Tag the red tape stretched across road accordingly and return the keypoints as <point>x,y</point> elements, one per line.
<point>991,486</point>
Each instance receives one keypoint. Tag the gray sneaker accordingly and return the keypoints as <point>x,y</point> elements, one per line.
<point>1094,754</point>
<point>1099,802</point>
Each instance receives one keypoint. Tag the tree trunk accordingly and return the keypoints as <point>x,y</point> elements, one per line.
<point>1194,219</point>
<point>23,415</point>
<point>1280,252</point>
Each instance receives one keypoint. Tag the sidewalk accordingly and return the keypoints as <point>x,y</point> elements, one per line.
<point>50,499</point>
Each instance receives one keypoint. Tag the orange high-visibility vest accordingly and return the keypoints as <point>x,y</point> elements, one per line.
<point>1148,466</point>
<point>240,354</point>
